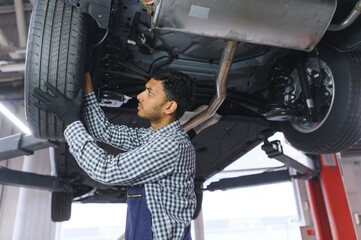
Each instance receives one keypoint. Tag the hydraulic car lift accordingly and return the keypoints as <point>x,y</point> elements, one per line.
<point>327,197</point>
<point>326,192</point>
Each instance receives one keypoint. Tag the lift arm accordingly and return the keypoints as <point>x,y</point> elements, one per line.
<point>21,144</point>
<point>32,180</point>
<point>302,164</point>
<point>250,180</point>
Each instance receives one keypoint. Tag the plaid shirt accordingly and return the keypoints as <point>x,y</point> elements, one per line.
<point>163,160</point>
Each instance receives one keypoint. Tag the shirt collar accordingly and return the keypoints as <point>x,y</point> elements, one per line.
<point>172,127</point>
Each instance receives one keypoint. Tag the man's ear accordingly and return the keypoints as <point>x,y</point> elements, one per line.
<point>170,107</point>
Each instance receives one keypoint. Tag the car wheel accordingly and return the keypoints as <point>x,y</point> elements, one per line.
<point>55,54</point>
<point>337,98</point>
<point>61,206</point>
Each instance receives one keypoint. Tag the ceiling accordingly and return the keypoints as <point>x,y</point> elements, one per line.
<point>14,23</point>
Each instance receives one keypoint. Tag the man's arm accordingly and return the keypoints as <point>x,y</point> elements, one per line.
<point>88,85</point>
<point>99,127</point>
<point>148,163</point>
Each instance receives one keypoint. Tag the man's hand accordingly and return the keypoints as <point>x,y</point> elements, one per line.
<point>66,109</point>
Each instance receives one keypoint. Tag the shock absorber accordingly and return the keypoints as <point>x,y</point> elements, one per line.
<point>306,89</point>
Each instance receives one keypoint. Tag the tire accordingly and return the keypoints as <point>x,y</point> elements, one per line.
<point>55,54</point>
<point>61,206</point>
<point>341,126</point>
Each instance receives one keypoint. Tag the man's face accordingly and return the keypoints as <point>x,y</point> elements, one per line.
<point>152,101</point>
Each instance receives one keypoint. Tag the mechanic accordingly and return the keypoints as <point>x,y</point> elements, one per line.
<point>158,163</point>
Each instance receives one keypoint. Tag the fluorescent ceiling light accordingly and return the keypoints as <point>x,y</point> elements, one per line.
<point>14,67</point>
<point>14,119</point>
<point>2,62</point>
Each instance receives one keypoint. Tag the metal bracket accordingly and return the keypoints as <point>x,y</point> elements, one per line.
<point>302,163</point>
<point>21,144</point>
<point>99,10</point>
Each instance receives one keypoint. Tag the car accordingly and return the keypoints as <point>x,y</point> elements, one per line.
<point>260,67</point>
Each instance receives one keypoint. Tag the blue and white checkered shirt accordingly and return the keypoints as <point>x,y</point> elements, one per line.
<point>163,160</point>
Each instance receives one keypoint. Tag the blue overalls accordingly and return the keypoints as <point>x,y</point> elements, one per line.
<point>139,221</point>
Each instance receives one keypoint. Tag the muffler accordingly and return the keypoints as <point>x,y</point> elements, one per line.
<point>295,24</point>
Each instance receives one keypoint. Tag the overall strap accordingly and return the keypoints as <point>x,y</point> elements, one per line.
<point>139,221</point>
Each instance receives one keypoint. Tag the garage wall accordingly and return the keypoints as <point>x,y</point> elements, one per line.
<point>24,212</point>
<point>351,169</point>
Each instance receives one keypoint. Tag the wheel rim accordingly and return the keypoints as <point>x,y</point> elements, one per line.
<point>325,86</point>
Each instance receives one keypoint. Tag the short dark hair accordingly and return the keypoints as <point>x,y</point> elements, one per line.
<point>178,87</point>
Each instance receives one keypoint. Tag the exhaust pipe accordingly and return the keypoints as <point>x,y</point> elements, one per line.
<point>354,14</point>
<point>221,85</point>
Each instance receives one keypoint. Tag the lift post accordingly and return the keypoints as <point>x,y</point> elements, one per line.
<point>335,199</point>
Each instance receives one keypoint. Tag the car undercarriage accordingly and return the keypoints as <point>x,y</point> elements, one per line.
<point>259,68</point>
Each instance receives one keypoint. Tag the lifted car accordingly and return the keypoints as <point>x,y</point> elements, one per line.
<point>259,67</point>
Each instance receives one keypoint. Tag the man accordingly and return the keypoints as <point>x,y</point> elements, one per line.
<point>159,162</point>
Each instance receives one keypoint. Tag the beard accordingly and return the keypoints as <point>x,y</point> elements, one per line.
<point>152,115</point>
